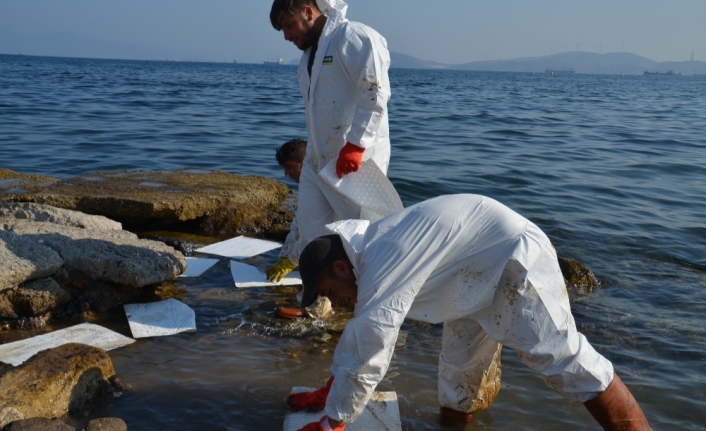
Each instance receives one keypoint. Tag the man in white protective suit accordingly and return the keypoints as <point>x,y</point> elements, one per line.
<point>343,79</point>
<point>488,274</point>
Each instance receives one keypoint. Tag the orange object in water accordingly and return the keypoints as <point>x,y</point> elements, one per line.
<point>289,313</point>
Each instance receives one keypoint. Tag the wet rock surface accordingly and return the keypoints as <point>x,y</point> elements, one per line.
<point>580,281</point>
<point>14,185</point>
<point>214,202</point>
<point>106,424</point>
<point>38,424</point>
<point>56,381</point>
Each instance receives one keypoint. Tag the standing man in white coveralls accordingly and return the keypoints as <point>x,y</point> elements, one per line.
<point>490,275</point>
<point>343,79</point>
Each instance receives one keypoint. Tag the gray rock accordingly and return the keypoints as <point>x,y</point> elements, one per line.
<point>106,424</point>
<point>57,380</point>
<point>9,415</point>
<point>38,297</point>
<point>64,217</point>
<point>24,258</point>
<point>113,256</point>
<point>38,424</point>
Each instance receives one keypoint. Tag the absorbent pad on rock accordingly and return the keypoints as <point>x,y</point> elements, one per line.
<point>195,266</point>
<point>369,187</point>
<point>249,276</point>
<point>156,319</point>
<point>240,247</point>
<point>382,413</point>
<point>17,352</point>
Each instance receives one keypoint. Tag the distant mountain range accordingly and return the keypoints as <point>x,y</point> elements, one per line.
<point>73,45</point>
<point>581,62</point>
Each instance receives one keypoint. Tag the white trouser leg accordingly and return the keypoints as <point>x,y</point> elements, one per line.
<point>469,367</point>
<point>319,204</point>
<point>530,313</point>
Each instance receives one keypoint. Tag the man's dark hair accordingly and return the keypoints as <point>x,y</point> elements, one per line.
<point>289,7</point>
<point>291,150</point>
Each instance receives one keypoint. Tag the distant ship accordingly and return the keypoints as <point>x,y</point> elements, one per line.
<point>274,61</point>
<point>235,61</point>
<point>555,72</point>
<point>669,72</point>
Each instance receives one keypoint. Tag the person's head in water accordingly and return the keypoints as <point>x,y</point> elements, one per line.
<point>291,157</point>
<point>300,20</point>
<point>327,271</point>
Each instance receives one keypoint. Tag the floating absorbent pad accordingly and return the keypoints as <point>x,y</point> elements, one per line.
<point>195,266</point>
<point>156,319</point>
<point>17,352</point>
<point>240,247</point>
<point>248,276</point>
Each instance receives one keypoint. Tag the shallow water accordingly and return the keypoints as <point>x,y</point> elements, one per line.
<point>612,168</point>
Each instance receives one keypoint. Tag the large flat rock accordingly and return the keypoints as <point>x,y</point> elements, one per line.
<point>179,195</point>
<point>60,216</point>
<point>114,256</point>
<point>24,258</point>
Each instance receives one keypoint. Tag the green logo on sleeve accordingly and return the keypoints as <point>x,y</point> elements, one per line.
<point>328,60</point>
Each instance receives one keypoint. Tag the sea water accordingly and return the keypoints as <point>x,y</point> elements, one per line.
<point>612,168</point>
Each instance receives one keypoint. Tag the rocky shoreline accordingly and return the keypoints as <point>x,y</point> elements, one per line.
<point>64,254</point>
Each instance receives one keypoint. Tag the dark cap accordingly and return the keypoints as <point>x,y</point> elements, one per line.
<point>317,255</point>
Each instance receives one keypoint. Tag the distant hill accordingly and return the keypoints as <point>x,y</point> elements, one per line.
<point>581,62</point>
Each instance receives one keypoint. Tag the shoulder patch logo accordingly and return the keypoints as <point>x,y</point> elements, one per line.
<point>328,60</point>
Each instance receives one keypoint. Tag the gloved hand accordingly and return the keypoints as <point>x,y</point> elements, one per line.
<point>283,267</point>
<point>349,159</point>
<point>311,401</point>
<point>317,426</point>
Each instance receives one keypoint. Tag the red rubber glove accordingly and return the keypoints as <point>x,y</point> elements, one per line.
<point>349,159</point>
<point>316,426</point>
<point>311,401</point>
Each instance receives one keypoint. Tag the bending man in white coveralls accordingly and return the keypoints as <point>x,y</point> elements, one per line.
<point>343,79</point>
<point>490,275</point>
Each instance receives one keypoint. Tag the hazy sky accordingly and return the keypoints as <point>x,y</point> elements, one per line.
<point>449,31</point>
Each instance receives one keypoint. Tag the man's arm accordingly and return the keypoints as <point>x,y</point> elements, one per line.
<point>391,273</point>
<point>367,61</point>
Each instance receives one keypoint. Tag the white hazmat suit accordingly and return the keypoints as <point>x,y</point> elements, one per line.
<point>490,275</point>
<point>346,101</point>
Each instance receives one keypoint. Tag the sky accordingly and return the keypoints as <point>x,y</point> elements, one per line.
<point>448,31</point>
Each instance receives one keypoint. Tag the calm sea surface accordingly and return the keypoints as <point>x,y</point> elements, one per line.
<point>612,168</point>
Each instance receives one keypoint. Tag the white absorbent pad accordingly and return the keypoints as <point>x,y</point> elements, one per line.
<point>195,266</point>
<point>382,413</point>
<point>17,352</point>
<point>249,276</point>
<point>368,187</point>
<point>240,247</point>
<point>156,319</point>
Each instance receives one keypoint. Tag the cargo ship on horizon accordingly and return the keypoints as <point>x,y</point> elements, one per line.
<point>274,61</point>
<point>669,72</point>
<point>556,72</point>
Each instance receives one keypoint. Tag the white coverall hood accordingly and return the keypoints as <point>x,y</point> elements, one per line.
<point>327,7</point>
